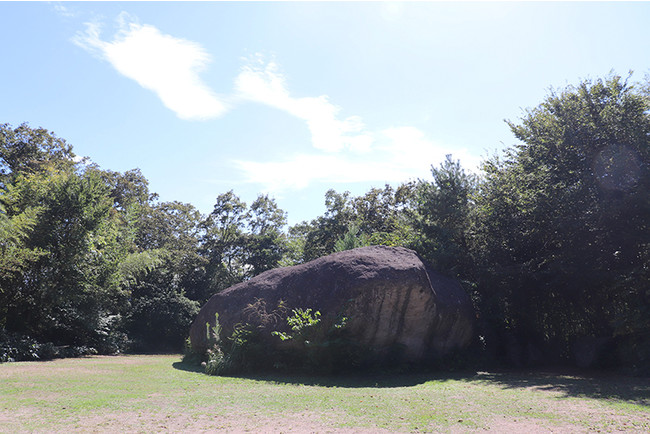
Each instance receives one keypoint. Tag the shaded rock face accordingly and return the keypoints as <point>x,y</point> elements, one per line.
<point>390,297</point>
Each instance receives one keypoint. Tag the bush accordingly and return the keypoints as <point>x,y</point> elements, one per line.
<point>158,319</point>
<point>317,345</point>
<point>217,362</point>
<point>15,347</point>
<point>245,350</point>
<point>312,346</point>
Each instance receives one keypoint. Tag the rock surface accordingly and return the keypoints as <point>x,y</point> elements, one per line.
<point>390,297</point>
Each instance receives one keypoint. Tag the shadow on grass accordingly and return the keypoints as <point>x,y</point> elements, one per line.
<point>361,380</point>
<point>576,384</point>
<point>188,367</point>
<point>347,380</point>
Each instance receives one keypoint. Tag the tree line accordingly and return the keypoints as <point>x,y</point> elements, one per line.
<point>551,240</point>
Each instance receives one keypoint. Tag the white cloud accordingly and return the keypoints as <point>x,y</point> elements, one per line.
<point>63,11</point>
<point>263,83</point>
<point>164,64</point>
<point>346,151</point>
<point>400,154</point>
<point>409,148</point>
<point>302,170</point>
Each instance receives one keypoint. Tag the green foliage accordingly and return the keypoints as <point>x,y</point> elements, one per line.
<point>159,317</point>
<point>247,349</point>
<point>317,345</point>
<point>165,276</point>
<point>81,249</point>
<point>15,255</point>
<point>27,151</point>
<point>243,351</point>
<point>217,362</point>
<point>88,257</point>
<point>239,242</point>
<point>560,227</point>
<point>302,324</point>
<point>15,347</point>
<point>311,345</point>
<point>159,313</point>
<point>137,265</point>
<point>381,216</point>
<point>441,217</point>
<point>631,320</point>
<point>295,243</point>
<point>127,190</point>
<point>62,298</point>
<point>352,240</point>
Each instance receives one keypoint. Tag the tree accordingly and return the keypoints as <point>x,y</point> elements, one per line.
<point>127,189</point>
<point>326,230</point>
<point>15,256</point>
<point>239,242</point>
<point>24,151</point>
<point>165,276</point>
<point>59,296</point>
<point>160,313</point>
<point>87,255</point>
<point>266,243</point>
<point>296,238</point>
<point>441,218</point>
<point>561,228</point>
<point>382,215</point>
<point>377,218</point>
<point>351,240</point>
<point>223,241</point>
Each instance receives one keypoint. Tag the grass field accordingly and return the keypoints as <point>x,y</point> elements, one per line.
<point>158,393</point>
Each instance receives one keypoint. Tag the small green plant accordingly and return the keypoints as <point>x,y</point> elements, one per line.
<point>216,361</point>
<point>189,355</point>
<point>301,323</point>
<point>317,344</point>
<point>243,352</point>
<point>313,343</point>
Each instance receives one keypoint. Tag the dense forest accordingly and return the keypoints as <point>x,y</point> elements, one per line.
<point>551,241</point>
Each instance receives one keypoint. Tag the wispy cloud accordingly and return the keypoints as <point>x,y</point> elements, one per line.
<point>399,154</point>
<point>344,149</point>
<point>302,170</point>
<point>164,64</point>
<point>62,10</point>
<point>263,83</point>
<point>409,149</point>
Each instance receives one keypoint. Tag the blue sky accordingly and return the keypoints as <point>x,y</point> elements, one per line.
<point>292,99</point>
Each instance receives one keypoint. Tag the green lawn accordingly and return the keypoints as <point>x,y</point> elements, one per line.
<point>158,393</point>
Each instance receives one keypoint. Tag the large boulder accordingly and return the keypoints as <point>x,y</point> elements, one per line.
<point>389,296</point>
